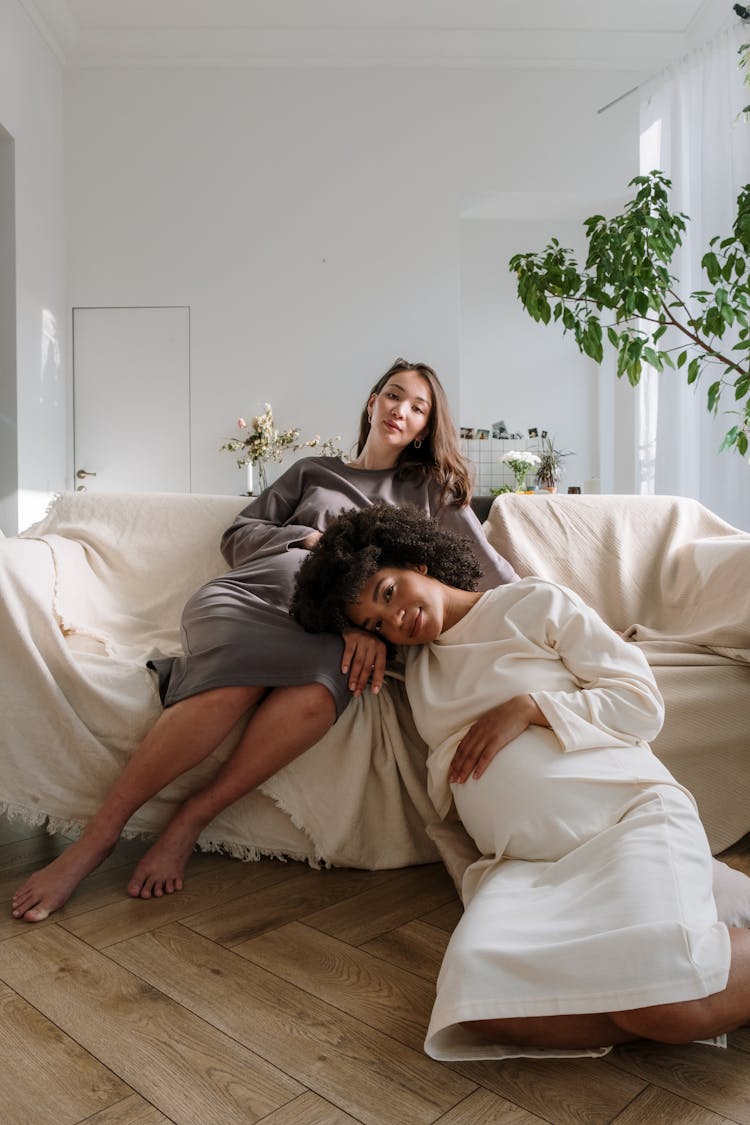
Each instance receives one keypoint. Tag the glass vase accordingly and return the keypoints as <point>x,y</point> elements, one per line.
<point>520,474</point>
<point>260,467</point>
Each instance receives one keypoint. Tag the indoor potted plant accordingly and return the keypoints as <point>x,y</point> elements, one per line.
<point>550,469</point>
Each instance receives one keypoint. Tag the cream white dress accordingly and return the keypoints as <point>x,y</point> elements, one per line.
<point>594,893</point>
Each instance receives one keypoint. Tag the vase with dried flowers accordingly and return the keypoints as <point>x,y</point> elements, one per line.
<point>261,442</point>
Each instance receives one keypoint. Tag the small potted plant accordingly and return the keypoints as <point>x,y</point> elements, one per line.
<point>550,469</point>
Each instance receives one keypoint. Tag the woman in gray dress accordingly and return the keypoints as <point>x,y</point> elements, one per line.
<point>242,649</point>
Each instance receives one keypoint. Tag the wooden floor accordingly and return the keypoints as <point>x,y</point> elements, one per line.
<point>271,992</point>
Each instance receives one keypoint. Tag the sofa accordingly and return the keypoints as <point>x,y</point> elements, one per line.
<point>96,588</point>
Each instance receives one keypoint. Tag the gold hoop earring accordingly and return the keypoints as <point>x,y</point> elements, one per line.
<point>417,443</point>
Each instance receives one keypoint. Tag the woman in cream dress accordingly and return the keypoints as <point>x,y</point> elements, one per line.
<point>590,920</point>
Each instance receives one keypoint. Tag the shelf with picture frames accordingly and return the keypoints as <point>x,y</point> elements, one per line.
<point>485,454</point>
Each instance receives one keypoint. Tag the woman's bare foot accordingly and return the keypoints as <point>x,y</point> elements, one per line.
<point>162,868</point>
<point>50,888</point>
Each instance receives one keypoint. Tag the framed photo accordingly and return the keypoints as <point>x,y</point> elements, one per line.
<point>483,435</point>
<point>467,433</point>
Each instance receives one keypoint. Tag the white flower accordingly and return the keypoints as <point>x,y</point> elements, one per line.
<point>521,457</point>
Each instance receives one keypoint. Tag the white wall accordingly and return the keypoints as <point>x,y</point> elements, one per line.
<point>31,97</point>
<point>311,219</point>
<point>515,369</point>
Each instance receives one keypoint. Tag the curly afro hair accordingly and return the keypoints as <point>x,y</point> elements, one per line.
<point>359,543</point>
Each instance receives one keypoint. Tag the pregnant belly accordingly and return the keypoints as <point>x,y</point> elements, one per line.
<point>535,802</point>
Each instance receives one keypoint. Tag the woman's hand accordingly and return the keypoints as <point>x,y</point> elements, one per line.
<point>364,659</point>
<point>491,733</point>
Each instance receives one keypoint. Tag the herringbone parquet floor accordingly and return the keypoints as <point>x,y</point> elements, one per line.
<point>272,992</point>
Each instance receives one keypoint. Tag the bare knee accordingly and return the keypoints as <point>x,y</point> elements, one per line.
<point>316,702</point>
<point>307,704</point>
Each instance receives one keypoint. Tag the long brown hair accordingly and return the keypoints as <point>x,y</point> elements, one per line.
<point>439,455</point>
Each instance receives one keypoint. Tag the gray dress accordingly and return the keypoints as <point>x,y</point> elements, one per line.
<point>236,630</point>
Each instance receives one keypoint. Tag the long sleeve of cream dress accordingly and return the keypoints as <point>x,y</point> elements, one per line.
<point>594,892</point>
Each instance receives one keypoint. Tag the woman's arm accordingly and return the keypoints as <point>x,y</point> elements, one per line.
<point>616,700</point>
<point>491,733</point>
<point>262,529</point>
<point>496,571</point>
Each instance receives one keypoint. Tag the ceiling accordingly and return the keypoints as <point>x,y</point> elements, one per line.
<point>590,33</point>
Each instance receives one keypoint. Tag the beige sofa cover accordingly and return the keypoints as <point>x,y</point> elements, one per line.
<point>95,588</point>
<point>675,579</point>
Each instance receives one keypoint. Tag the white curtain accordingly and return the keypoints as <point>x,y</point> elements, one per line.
<point>690,129</point>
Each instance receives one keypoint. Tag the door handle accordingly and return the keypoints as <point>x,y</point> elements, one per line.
<point>83,473</point>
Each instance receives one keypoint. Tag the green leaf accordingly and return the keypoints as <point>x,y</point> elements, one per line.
<point>641,303</point>
<point>681,359</point>
<point>730,438</point>
<point>714,391</point>
<point>711,265</point>
<point>742,386</point>
<point>694,370</point>
<point>728,268</point>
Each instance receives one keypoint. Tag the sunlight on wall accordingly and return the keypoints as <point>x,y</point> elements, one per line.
<point>32,505</point>
<point>45,443</point>
<point>50,369</point>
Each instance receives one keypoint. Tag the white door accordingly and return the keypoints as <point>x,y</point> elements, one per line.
<point>131,387</point>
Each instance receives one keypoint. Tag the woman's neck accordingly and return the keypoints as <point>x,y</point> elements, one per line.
<point>457,605</point>
<point>372,458</point>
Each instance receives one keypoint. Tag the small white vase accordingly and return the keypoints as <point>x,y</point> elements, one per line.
<point>256,471</point>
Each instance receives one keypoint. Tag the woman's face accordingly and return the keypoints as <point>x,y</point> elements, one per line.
<point>400,412</point>
<point>405,606</point>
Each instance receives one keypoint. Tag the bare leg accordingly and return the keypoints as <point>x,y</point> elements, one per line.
<point>182,736</point>
<point>699,1019</point>
<point>683,1022</point>
<point>268,743</point>
<point>564,1033</point>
